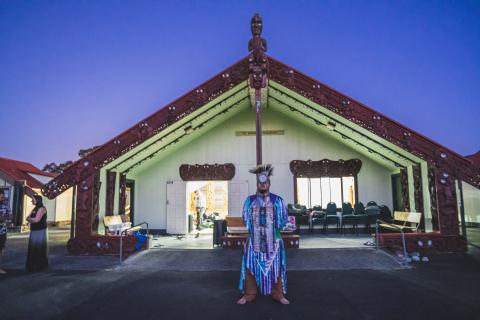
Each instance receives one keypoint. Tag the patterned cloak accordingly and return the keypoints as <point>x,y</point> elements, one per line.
<point>264,253</point>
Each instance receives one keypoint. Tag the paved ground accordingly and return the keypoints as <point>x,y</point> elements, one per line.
<point>323,284</point>
<point>16,253</point>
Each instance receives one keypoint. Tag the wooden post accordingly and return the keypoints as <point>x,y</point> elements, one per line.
<point>258,124</point>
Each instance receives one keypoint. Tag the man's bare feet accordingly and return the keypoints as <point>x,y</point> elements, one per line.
<point>284,301</point>
<point>242,300</point>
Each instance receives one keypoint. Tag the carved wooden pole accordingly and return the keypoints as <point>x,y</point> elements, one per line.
<point>417,184</point>
<point>404,183</point>
<point>123,193</point>
<point>110,198</point>
<point>87,206</point>
<point>258,67</point>
<point>258,125</point>
<point>433,198</point>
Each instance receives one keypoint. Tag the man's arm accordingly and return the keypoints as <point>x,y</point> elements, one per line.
<point>246,213</point>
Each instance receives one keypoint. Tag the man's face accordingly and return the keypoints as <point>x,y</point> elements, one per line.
<point>263,187</point>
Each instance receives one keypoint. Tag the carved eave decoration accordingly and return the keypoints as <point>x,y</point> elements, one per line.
<point>201,172</point>
<point>325,168</point>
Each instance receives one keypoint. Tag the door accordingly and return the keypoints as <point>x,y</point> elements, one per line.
<point>176,207</point>
<point>237,193</point>
<point>397,193</point>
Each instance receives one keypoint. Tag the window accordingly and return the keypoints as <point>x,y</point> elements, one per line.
<point>320,191</point>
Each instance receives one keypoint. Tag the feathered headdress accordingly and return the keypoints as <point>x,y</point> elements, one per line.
<point>263,172</point>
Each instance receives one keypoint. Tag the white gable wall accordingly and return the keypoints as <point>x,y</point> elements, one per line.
<point>220,145</point>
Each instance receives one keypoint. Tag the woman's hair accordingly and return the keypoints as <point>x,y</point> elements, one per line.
<point>38,201</point>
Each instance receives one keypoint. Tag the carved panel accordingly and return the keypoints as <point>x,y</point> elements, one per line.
<point>84,207</point>
<point>418,192</point>
<point>96,202</point>
<point>325,168</point>
<point>433,198</point>
<point>122,201</point>
<point>100,245</point>
<point>110,198</point>
<point>417,184</point>
<point>447,202</point>
<point>405,195</point>
<point>440,242</point>
<point>198,172</point>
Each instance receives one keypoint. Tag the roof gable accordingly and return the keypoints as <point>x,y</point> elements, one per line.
<point>21,171</point>
<point>147,128</point>
<point>342,105</point>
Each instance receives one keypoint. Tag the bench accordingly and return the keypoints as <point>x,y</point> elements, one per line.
<point>402,221</point>
<point>235,225</point>
<point>237,241</point>
<point>237,234</point>
<point>115,225</point>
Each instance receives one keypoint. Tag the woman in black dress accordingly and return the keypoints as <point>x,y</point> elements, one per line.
<point>5,217</point>
<point>37,257</point>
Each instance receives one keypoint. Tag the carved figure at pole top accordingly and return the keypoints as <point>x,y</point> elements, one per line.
<point>258,63</point>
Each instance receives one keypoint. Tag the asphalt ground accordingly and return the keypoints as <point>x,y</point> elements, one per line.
<point>447,287</point>
<point>167,284</point>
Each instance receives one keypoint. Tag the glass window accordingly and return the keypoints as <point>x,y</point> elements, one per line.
<point>348,184</point>
<point>320,191</point>
<point>303,191</point>
<point>325,185</point>
<point>315,192</point>
<point>336,191</point>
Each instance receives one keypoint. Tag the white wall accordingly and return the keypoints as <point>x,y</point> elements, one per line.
<point>58,209</point>
<point>63,206</point>
<point>220,145</point>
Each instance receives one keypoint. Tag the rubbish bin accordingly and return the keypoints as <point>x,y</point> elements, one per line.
<point>149,241</point>
<point>218,231</point>
<point>190,223</point>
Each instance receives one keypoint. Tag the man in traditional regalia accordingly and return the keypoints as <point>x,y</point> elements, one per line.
<point>264,260</point>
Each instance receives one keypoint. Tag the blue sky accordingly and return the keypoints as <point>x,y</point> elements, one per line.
<point>73,74</point>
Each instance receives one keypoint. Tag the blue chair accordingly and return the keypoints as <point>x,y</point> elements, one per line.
<point>331,216</point>
<point>347,216</point>
<point>318,216</point>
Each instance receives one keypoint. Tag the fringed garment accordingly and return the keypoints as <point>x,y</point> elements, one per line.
<point>264,254</point>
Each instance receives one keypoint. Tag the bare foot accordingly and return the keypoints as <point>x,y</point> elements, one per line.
<point>242,300</point>
<point>2,271</point>
<point>284,301</point>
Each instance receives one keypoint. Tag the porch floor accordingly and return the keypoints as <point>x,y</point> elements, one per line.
<point>307,241</point>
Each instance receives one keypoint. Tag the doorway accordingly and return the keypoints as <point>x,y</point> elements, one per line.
<point>207,201</point>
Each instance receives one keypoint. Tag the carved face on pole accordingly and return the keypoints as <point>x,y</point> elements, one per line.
<point>256,25</point>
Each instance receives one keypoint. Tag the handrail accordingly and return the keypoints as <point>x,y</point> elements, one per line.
<point>124,232</point>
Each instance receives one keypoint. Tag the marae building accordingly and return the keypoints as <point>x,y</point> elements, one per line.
<point>325,147</point>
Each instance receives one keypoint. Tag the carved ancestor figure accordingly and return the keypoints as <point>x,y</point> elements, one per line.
<point>258,63</point>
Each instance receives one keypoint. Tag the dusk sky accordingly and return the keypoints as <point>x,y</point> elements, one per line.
<point>73,74</point>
